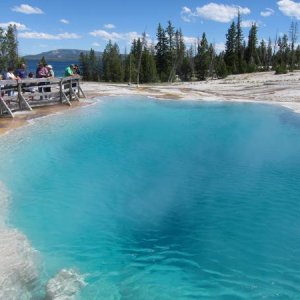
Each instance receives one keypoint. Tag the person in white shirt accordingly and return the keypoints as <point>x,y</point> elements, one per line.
<point>9,75</point>
<point>50,70</point>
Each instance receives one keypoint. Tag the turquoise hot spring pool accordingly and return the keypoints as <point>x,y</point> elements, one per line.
<point>135,198</point>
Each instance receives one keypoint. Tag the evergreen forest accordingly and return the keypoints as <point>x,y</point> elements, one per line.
<point>169,59</point>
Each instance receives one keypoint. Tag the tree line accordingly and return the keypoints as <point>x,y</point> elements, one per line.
<point>169,59</point>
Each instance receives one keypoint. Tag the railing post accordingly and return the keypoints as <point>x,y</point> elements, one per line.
<point>70,90</point>
<point>80,89</point>
<point>19,94</point>
<point>61,90</point>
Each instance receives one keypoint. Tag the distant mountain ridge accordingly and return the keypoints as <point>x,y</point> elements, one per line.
<point>60,55</point>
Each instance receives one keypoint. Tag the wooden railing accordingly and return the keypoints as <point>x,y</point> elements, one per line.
<point>16,95</point>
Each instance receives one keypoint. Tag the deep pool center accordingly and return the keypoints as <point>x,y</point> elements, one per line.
<point>135,198</point>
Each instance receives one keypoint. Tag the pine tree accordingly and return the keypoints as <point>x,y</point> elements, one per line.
<point>251,51</point>
<point>262,53</point>
<point>282,55</point>
<point>171,52</point>
<point>220,66</point>
<point>12,46</point>
<point>191,58</point>
<point>43,61</point>
<point>286,49</point>
<point>186,69</point>
<point>180,51</point>
<point>112,64</point>
<point>127,63</point>
<point>161,54</point>
<point>94,68</point>
<point>202,60</point>
<point>297,56</point>
<point>141,46</point>
<point>230,56</point>
<point>239,45</point>
<point>212,58</point>
<point>3,51</point>
<point>84,66</point>
<point>148,67</point>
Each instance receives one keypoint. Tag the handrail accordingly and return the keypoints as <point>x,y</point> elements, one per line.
<point>23,94</point>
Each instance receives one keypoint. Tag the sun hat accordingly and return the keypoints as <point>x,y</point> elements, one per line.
<point>49,67</point>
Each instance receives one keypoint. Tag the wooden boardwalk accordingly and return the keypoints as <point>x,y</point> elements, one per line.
<point>18,95</point>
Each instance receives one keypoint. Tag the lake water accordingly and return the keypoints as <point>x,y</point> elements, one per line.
<point>58,66</point>
<point>142,199</point>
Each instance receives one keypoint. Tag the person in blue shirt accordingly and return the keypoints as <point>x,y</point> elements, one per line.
<point>21,71</point>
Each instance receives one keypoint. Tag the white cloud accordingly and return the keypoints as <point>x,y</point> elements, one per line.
<point>115,36</point>
<point>267,12</point>
<point>47,36</point>
<point>214,11</point>
<point>27,9</point>
<point>289,8</point>
<point>96,44</point>
<point>221,12</point>
<point>190,40</point>
<point>64,21</point>
<point>219,47</point>
<point>19,26</point>
<point>248,23</point>
<point>109,26</point>
<point>187,14</point>
<point>68,36</point>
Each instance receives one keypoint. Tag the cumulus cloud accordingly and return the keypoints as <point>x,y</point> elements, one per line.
<point>19,26</point>
<point>213,11</point>
<point>187,15</point>
<point>115,36</point>
<point>267,12</point>
<point>289,8</point>
<point>221,12</point>
<point>47,36</point>
<point>109,26</point>
<point>27,9</point>
<point>64,21</point>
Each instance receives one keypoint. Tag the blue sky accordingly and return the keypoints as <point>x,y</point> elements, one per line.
<point>48,25</point>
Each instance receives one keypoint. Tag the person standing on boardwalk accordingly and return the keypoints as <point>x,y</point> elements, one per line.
<point>21,71</point>
<point>9,75</point>
<point>76,70</point>
<point>42,72</point>
<point>69,71</point>
<point>50,71</point>
<point>49,75</point>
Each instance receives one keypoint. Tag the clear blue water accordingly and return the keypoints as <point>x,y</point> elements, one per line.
<point>162,200</point>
